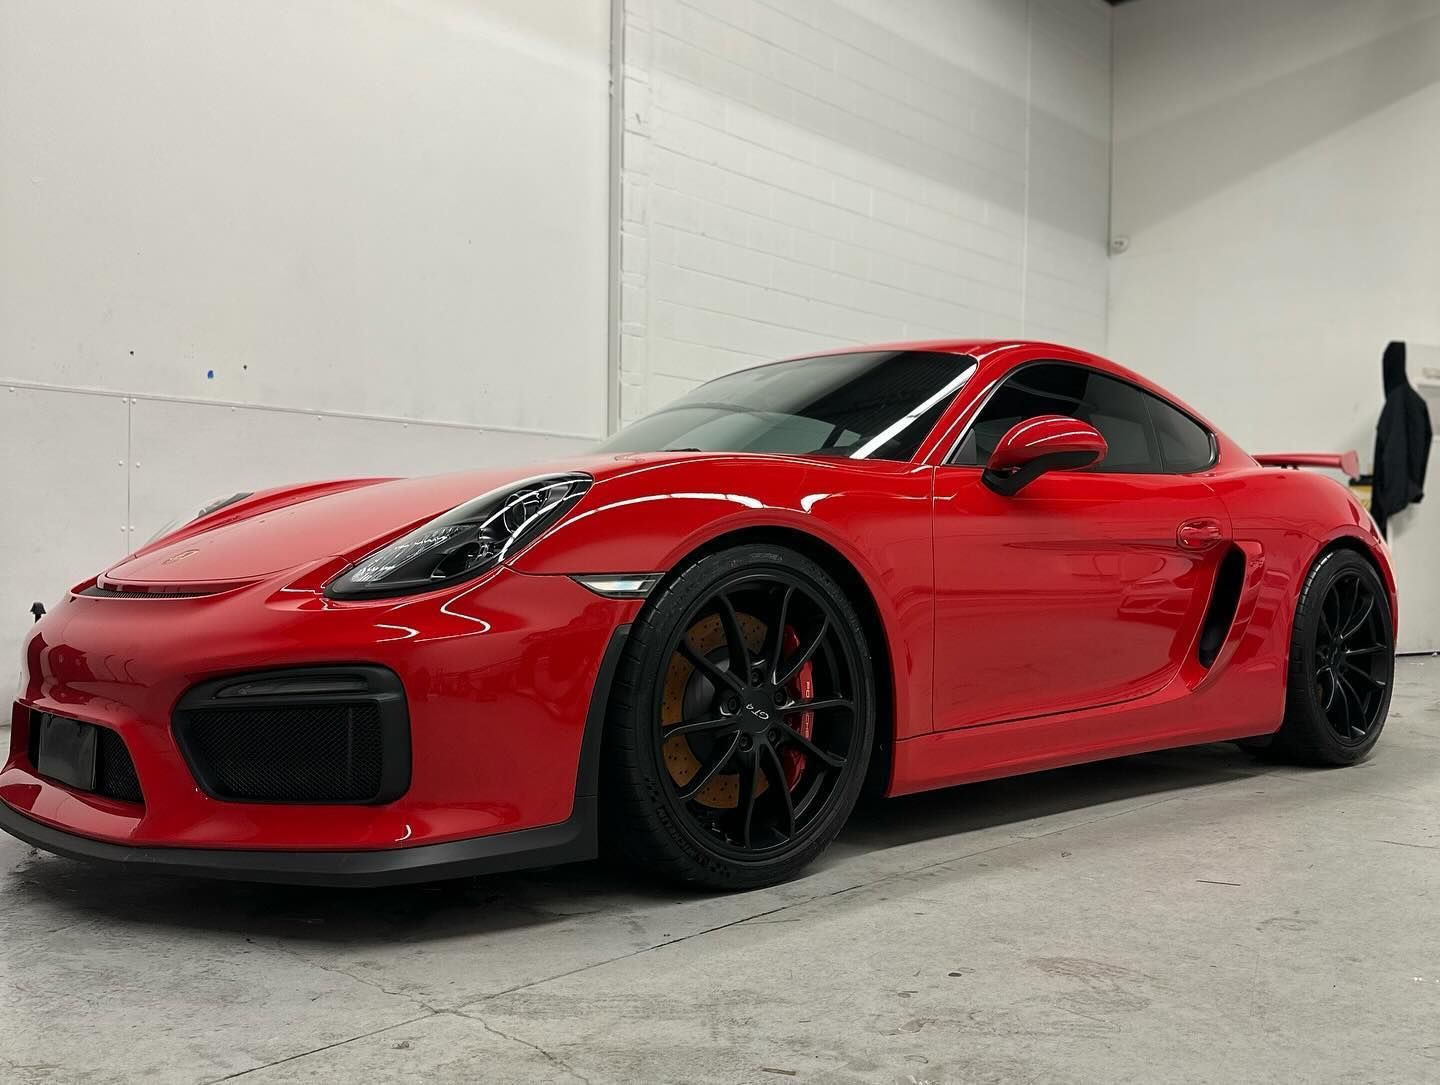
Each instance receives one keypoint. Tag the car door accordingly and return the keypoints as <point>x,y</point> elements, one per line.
<point>1085,588</point>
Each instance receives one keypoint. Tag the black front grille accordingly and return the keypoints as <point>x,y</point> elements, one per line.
<point>337,735</point>
<point>320,753</point>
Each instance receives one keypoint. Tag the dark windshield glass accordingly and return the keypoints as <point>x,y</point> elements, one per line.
<point>871,405</point>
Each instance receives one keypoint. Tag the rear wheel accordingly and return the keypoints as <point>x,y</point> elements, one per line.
<point>1342,664</point>
<point>741,721</point>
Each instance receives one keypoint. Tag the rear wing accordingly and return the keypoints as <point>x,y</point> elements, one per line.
<point>1349,462</point>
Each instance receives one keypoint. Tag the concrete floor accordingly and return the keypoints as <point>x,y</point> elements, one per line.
<point>1191,916</point>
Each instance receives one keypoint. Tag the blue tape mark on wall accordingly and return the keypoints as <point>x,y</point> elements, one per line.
<point>209,374</point>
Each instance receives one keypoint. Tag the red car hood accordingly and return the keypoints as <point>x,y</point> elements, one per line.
<point>281,529</point>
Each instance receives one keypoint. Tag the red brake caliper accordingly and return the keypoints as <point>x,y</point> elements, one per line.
<point>802,688</point>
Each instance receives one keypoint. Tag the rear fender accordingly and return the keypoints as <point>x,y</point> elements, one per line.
<point>1295,516</point>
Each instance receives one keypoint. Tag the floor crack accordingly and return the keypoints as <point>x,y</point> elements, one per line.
<point>338,971</point>
<point>550,1057</point>
<point>317,1050</point>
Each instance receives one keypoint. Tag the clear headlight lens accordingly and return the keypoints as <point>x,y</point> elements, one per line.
<point>464,542</point>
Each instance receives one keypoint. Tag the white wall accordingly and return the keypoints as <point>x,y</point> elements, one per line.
<point>247,243</point>
<point>1277,173</point>
<point>800,174</point>
<point>244,243</point>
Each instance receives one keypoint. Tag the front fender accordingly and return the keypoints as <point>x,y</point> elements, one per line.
<point>877,516</point>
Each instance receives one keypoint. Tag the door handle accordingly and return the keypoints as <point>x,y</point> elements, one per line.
<point>1199,533</point>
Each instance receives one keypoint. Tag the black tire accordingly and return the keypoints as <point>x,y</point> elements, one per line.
<point>664,796</point>
<point>1342,665</point>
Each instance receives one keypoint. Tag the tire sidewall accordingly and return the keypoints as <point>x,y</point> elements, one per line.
<point>1311,713</point>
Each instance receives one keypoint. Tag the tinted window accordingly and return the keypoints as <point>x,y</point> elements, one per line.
<point>1116,409</point>
<point>1184,443</point>
<point>871,405</point>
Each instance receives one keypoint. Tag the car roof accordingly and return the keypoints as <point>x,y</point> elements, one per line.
<point>981,349</point>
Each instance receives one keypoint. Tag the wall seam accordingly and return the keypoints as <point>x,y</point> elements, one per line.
<point>634,235</point>
<point>128,528</point>
<point>1110,183</point>
<point>1029,114</point>
<point>617,139</point>
<point>278,408</point>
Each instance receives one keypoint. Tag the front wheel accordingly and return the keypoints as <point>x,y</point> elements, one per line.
<point>1342,664</point>
<point>741,721</point>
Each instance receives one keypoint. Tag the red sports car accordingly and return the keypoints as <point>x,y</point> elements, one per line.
<point>902,567</point>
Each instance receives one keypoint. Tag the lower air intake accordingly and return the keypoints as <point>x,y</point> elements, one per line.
<point>325,753</point>
<point>115,775</point>
<point>114,771</point>
<point>304,736</point>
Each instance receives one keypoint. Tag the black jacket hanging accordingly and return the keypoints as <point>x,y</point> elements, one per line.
<point>1402,442</point>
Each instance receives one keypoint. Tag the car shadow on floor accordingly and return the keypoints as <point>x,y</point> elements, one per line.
<point>1016,799</point>
<point>494,904</point>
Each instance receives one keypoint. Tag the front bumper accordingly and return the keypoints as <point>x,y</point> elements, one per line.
<point>506,682</point>
<point>573,840</point>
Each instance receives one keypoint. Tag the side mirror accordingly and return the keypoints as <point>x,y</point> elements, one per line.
<point>1047,442</point>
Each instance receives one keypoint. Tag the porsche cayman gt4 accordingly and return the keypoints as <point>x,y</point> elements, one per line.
<point>894,568</point>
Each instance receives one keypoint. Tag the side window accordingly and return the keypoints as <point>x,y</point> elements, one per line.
<point>1118,411</point>
<point>1035,389</point>
<point>1185,444</point>
<point>1113,407</point>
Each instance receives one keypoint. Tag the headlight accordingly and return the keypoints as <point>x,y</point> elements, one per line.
<point>463,543</point>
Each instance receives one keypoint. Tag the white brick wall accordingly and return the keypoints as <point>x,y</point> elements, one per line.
<point>801,174</point>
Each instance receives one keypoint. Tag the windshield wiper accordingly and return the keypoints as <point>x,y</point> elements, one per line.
<point>682,450</point>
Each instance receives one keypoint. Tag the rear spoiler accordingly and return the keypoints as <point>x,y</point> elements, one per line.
<point>1349,462</point>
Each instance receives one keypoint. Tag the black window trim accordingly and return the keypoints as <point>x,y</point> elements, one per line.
<point>949,460</point>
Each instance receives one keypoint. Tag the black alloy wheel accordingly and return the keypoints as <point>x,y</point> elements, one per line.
<point>1342,664</point>
<point>743,719</point>
<point>1351,658</point>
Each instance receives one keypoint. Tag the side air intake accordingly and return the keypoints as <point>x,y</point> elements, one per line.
<point>1224,598</point>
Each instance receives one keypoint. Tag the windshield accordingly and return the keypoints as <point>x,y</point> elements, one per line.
<point>871,405</point>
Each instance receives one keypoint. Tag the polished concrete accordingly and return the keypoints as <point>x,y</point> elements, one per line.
<point>1190,916</point>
